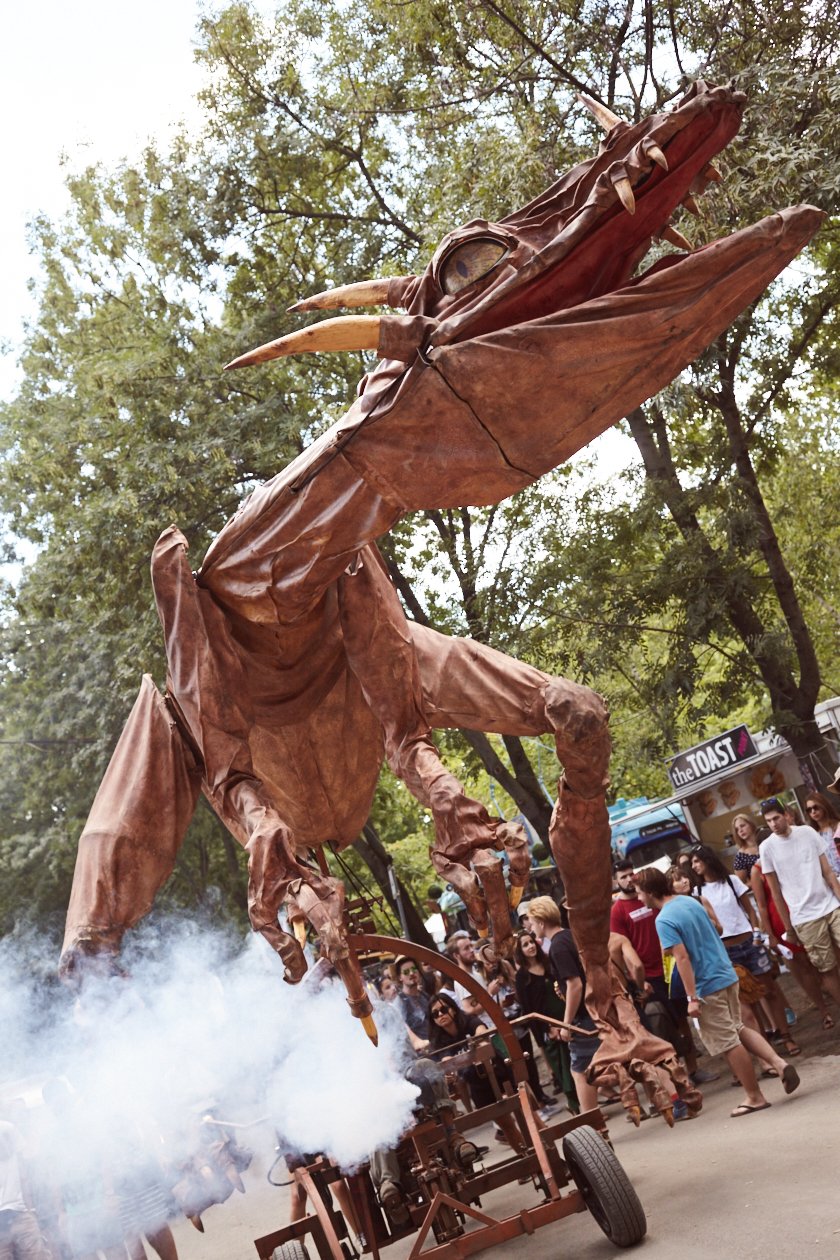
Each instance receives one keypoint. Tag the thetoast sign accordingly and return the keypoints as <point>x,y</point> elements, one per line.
<point>721,753</point>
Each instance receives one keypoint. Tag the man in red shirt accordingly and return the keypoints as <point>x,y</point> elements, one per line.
<point>637,922</point>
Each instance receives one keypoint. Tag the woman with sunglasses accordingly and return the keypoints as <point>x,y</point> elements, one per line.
<point>538,996</point>
<point>450,1028</point>
<point>823,818</point>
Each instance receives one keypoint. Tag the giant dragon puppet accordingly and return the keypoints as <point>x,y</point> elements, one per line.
<point>292,668</point>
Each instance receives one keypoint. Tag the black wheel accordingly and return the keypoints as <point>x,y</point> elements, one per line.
<point>605,1186</point>
<point>293,1250</point>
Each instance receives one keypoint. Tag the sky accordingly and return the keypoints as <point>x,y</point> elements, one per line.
<point>92,81</point>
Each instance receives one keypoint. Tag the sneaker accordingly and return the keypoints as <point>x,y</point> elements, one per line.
<point>464,1152</point>
<point>393,1201</point>
<point>702,1077</point>
<point>545,1113</point>
<point>680,1109</point>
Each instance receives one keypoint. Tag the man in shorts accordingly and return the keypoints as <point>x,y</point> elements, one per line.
<point>711,985</point>
<point>805,889</point>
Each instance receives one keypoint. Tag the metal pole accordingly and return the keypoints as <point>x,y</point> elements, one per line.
<point>397,895</point>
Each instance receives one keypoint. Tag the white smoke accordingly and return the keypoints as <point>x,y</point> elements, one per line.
<point>197,1026</point>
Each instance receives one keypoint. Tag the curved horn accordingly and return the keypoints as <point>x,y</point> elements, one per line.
<point>362,293</point>
<point>604,116</point>
<point>348,332</point>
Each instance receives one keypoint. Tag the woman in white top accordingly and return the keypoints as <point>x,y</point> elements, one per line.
<point>741,937</point>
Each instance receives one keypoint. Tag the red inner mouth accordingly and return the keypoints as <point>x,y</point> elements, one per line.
<point>609,253</point>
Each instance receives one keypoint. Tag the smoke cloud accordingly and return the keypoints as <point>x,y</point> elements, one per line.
<point>199,1025</point>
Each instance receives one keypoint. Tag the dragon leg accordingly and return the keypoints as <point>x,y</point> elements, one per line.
<point>471,686</point>
<point>208,688</point>
<point>380,652</point>
<point>131,839</point>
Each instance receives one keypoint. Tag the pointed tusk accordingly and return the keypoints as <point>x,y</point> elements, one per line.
<point>692,206</point>
<point>363,293</point>
<point>604,116</point>
<point>712,174</point>
<point>299,929</point>
<point>675,238</point>
<point>514,897</point>
<point>348,332</point>
<point>656,155</point>
<point>369,1025</point>
<point>624,189</point>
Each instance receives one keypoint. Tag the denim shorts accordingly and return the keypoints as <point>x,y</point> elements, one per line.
<point>582,1052</point>
<point>753,958</point>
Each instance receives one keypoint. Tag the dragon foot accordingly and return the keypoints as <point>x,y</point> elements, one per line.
<point>466,856</point>
<point>320,900</point>
<point>629,1056</point>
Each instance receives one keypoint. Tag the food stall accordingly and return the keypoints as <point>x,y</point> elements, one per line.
<point>733,772</point>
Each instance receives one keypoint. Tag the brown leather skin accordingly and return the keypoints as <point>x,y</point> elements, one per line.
<point>292,668</point>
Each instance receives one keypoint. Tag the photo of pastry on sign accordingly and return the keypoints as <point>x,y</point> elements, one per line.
<point>766,781</point>
<point>730,793</point>
<point>708,803</point>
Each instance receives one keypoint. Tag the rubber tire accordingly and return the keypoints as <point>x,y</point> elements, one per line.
<point>607,1190</point>
<point>293,1250</point>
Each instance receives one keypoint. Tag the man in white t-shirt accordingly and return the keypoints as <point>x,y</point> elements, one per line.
<point>805,889</point>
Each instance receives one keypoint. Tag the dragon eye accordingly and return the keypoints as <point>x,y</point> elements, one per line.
<point>469,262</point>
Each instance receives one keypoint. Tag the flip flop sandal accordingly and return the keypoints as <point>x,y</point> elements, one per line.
<point>746,1110</point>
<point>790,1079</point>
<point>791,1048</point>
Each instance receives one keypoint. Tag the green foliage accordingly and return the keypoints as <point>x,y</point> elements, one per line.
<point>340,141</point>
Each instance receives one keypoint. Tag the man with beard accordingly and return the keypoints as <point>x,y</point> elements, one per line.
<point>664,1016</point>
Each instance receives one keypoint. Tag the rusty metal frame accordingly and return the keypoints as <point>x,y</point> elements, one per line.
<point>419,953</point>
<point>543,1158</point>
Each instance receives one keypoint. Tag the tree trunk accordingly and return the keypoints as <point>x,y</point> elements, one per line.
<point>792,701</point>
<point>377,858</point>
<point>522,785</point>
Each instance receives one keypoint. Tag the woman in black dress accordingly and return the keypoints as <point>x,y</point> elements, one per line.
<point>538,996</point>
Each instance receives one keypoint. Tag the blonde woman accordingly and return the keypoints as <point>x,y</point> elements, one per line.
<point>745,831</point>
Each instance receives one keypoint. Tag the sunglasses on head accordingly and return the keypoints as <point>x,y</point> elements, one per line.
<point>773,802</point>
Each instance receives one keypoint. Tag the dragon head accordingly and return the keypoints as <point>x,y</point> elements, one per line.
<point>524,339</point>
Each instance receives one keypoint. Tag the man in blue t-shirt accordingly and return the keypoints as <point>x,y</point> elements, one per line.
<point>711,985</point>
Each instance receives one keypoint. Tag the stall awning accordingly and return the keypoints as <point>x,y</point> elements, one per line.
<point>678,829</point>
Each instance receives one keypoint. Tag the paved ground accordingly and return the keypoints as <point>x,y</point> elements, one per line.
<point>747,1189</point>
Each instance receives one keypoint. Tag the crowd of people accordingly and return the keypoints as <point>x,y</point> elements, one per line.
<point>69,1194</point>
<point>699,948</point>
